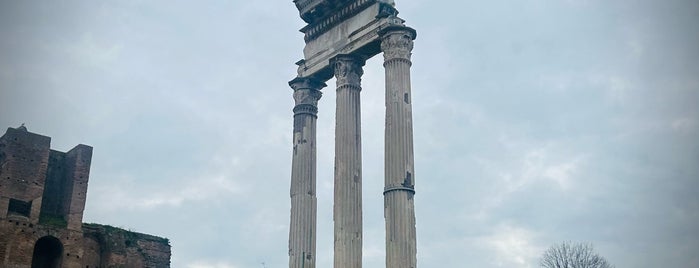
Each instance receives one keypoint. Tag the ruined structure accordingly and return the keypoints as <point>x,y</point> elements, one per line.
<point>42,199</point>
<point>340,36</point>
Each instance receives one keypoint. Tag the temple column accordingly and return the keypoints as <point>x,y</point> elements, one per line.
<point>347,209</point>
<point>399,211</point>
<point>302,230</point>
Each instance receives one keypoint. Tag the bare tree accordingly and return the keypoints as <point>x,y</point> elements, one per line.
<point>573,255</point>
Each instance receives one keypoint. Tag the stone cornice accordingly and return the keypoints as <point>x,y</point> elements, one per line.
<point>313,30</point>
<point>313,10</point>
<point>356,35</point>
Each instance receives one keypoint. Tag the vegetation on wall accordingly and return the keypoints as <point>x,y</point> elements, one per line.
<point>52,220</point>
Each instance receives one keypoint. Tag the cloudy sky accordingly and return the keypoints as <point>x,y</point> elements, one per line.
<point>536,121</point>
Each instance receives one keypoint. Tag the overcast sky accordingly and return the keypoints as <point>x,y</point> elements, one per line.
<point>536,122</point>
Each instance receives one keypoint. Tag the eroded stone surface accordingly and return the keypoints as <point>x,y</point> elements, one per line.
<point>347,209</point>
<point>302,228</point>
<point>353,29</point>
<point>399,213</point>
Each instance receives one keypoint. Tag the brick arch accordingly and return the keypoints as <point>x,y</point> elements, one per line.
<point>48,253</point>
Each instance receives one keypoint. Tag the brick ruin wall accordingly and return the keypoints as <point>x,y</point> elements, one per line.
<point>42,199</point>
<point>23,167</point>
<point>107,246</point>
<point>96,246</point>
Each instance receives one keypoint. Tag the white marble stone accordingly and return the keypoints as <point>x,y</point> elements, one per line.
<point>347,207</point>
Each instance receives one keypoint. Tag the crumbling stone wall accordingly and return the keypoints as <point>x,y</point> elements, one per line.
<point>65,190</point>
<point>23,165</point>
<point>96,246</point>
<point>107,246</point>
<point>18,239</point>
<point>77,168</point>
<point>42,199</point>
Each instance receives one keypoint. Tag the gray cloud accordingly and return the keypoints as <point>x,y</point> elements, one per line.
<point>535,122</point>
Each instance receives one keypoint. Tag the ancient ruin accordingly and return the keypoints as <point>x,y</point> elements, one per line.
<point>42,199</point>
<point>340,36</point>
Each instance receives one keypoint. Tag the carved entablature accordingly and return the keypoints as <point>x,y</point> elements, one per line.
<point>349,27</point>
<point>322,24</point>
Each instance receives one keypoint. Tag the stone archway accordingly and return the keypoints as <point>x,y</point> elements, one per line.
<point>48,253</point>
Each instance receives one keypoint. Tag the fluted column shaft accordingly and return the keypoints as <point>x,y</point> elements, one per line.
<point>347,209</point>
<point>302,230</point>
<point>399,212</point>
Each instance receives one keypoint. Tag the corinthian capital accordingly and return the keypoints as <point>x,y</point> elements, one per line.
<point>348,70</point>
<point>397,42</point>
<point>306,94</point>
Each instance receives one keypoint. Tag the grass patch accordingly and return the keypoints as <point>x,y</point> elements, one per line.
<point>53,221</point>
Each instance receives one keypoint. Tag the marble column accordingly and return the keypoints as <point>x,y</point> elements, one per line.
<point>302,230</point>
<point>399,211</point>
<point>347,209</point>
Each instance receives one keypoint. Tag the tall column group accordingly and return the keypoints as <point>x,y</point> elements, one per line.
<point>401,250</point>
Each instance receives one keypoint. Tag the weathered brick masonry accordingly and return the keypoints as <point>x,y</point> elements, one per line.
<point>42,199</point>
